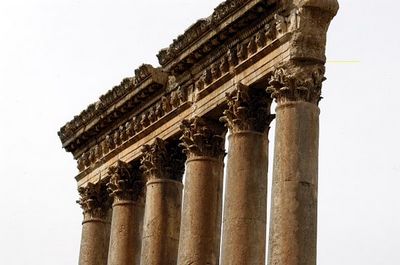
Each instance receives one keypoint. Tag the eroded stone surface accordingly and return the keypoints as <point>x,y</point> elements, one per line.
<point>228,66</point>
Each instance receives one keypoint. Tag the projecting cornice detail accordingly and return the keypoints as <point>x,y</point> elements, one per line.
<point>197,30</point>
<point>128,95</point>
<point>209,33</point>
<point>242,42</point>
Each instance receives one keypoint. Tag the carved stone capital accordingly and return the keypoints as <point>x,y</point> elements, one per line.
<point>124,183</point>
<point>199,139</point>
<point>161,161</point>
<point>247,110</point>
<point>94,201</point>
<point>300,83</point>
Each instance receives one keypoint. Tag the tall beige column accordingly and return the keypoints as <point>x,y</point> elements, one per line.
<point>94,201</point>
<point>245,206</point>
<point>293,233</point>
<point>201,216</point>
<point>163,168</point>
<point>125,187</point>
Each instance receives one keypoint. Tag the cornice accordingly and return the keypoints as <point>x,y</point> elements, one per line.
<point>240,35</point>
<point>208,33</point>
<point>120,99</point>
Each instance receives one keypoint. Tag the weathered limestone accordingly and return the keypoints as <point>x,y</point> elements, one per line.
<point>242,42</point>
<point>163,168</point>
<point>125,188</point>
<point>201,216</point>
<point>95,226</point>
<point>245,209</point>
<point>293,233</point>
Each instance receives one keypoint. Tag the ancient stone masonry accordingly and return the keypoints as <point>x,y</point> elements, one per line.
<point>167,125</point>
<point>247,110</point>
<point>302,84</point>
<point>198,139</point>
<point>94,201</point>
<point>95,226</point>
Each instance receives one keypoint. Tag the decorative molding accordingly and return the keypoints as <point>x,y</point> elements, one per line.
<point>297,83</point>
<point>245,50</point>
<point>165,105</point>
<point>199,139</point>
<point>94,201</point>
<point>197,30</point>
<point>247,110</point>
<point>160,162</point>
<point>124,183</point>
<point>99,108</point>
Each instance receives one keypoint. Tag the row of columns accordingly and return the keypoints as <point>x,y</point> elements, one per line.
<point>188,231</point>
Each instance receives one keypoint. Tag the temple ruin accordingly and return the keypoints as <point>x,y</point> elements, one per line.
<point>167,125</point>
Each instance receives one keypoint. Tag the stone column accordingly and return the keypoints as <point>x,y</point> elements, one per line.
<point>293,233</point>
<point>95,226</point>
<point>245,206</point>
<point>201,216</point>
<point>125,187</point>
<point>163,168</point>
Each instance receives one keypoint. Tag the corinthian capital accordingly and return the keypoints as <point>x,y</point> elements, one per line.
<point>162,161</point>
<point>248,110</point>
<point>125,183</point>
<point>301,83</point>
<point>94,200</point>
<point>199,139</point>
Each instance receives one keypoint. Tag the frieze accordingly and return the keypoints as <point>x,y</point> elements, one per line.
<point>94,110</point>
<point>243,51</point>
<point>129,129</point>
<point>198,29</point>
<point>278,27</point>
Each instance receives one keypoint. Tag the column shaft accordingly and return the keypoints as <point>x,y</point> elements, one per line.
<point>126,234</point>
<point>203,144</point>
<point>245,209</point>
<point>95,226</point>
<point>94,242</point>
<point>161,222</point>
<point>201,216</point>
<point>125,187</point>
<point>163,165</point>
<point>293,233</point>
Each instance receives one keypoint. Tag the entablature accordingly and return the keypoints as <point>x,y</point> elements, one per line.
<point>246,40</point>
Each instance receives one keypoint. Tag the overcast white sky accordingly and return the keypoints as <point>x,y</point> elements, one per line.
<point>57,56</point>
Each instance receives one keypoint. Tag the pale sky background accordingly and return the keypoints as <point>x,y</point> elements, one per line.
<point>58,56</point>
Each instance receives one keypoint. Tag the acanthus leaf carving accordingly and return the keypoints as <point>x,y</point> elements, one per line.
<point>160,162</point>
<point>124,183</point>
<point>199,139</point>
<point>247,110</point>
<point>297,83</point>
<point>94,200</point>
